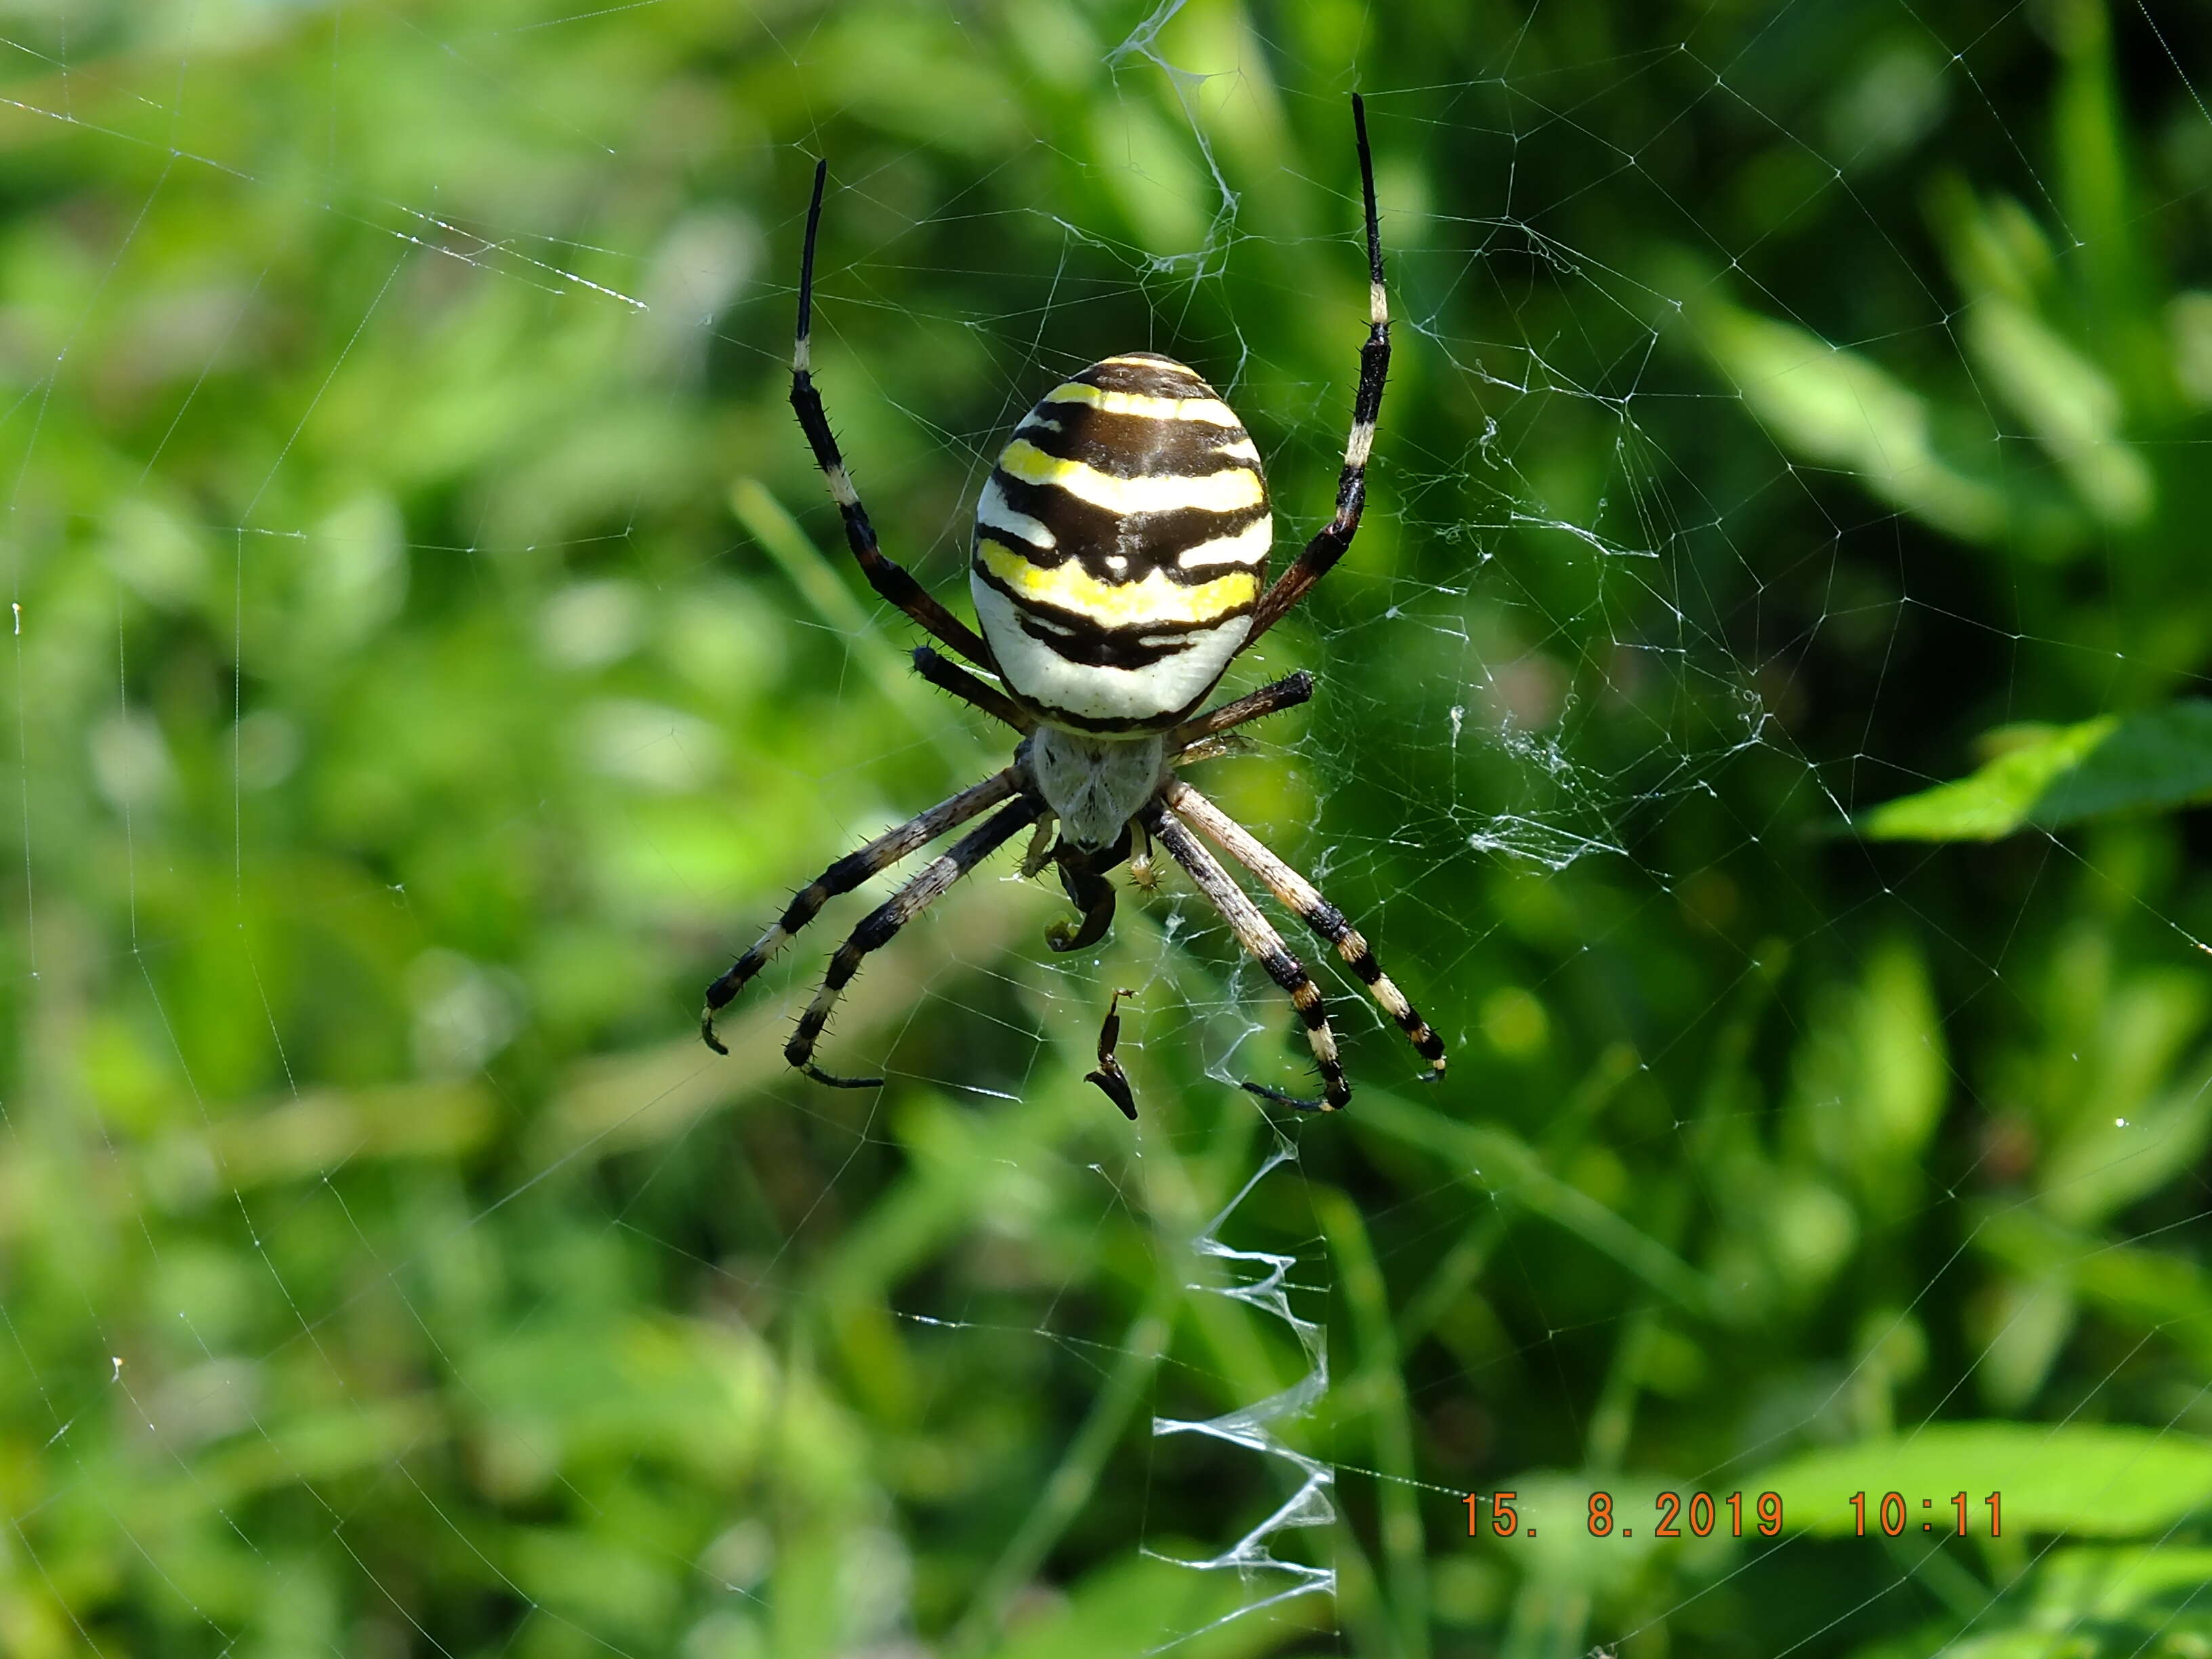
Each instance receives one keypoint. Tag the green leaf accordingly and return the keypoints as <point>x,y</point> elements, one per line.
<point>2074,1585</point>
<point>1844,410</point>
<point>2066,401</point>
<point>2088,1480</point>
<point>1132,1605</point>
<point>2061,775</point>
<point>1870,1077</point>
<point>2021,1325</point>
<point>1498,1163</point>
<point>1995,247</point>
<point>2081,1603</point>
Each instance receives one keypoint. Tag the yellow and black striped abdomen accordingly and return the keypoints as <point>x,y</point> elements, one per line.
<point>1121,544</point>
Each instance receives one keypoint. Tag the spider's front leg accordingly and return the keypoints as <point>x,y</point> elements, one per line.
<point>888,578</point>
<point>1335,537</point>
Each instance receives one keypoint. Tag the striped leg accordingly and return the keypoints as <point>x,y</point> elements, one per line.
<point>1317,912</point>
<point>887,918</point>
<point>890,579</point>
<point>1326,548</point>
<point>842,876</point>
<point>1286,693</point>
<point>1266,947</point>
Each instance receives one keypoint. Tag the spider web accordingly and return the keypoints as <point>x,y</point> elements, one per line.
<point>433,657</point>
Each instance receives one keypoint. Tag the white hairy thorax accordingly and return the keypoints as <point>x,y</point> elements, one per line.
<point>1096,785</point>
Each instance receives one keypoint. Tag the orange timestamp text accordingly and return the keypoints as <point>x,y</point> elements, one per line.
<point>1698,1516</point>
<point>1703,1515</point>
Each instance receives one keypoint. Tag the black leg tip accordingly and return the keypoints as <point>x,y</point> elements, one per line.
<point>1296,1102</point>
<point>706,1032</point>
<point>821,1076</point>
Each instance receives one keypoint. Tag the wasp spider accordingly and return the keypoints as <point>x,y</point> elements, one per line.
<point>1120,547</point>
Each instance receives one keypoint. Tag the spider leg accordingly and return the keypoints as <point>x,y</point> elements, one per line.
<point>1040,848</point>
<point>947,675</point>
<point>1143,872</point>
<point>842,876</point>
<point>878,927</point>
<point>1327,548</point>
<point>1286,693</point>
<point>1317,912</point>
<point>1113,1082</point>
<point>889,579</point>
<point>1207,749</point>
<point>1265,945</point>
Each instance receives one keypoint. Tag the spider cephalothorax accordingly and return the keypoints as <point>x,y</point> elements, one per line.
<point>1120,565</point>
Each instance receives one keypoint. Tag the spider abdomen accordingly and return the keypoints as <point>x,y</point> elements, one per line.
<point>1121,544</point>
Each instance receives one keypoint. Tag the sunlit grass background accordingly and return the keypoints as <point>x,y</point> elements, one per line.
<point>432,658</point>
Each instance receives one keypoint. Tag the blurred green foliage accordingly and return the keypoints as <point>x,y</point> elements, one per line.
<point>431,658</point>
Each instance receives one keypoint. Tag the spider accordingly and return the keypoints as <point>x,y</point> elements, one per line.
<point>1120,544</point>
